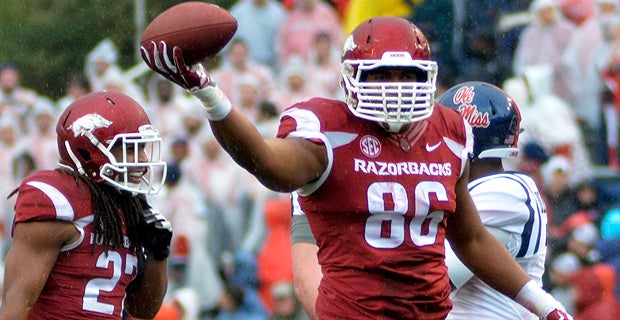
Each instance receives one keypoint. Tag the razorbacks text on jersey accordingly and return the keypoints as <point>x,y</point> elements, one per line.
<point>99,289</point>
<point>378,213</point>
<point>511,208</point>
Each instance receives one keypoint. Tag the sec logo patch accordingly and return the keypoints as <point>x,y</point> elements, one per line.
<point>370,146</point>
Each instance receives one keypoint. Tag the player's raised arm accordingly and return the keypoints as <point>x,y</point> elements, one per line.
<point>280,164</point>
<point>174,49</point>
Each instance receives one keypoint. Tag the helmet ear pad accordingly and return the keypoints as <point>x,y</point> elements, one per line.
<point>84,154</point>
<point>493,115</point>
<point>87,162</point>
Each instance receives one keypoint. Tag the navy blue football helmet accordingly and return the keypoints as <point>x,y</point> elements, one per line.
<point>492,114</point>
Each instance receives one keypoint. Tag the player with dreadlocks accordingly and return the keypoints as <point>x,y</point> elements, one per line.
<point>85,242</point>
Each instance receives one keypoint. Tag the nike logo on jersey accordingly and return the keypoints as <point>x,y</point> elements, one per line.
<point>432,148</point>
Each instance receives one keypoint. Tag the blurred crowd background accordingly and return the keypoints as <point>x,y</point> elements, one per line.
<point>559,60</point>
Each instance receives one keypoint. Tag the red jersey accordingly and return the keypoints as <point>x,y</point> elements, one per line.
<point>379,211</point>
<point>85,282</point>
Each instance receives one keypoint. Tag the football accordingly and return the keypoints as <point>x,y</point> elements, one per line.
<point>200,29</point>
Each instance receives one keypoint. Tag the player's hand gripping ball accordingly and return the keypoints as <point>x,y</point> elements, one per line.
<point>199,29</point>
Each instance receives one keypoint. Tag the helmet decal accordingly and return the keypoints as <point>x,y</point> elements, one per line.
<point>146,128</point>
<point>349,45</point>
<point>465,97</point>
<point>492,114</point>
<point>88,123</point>
<point>474,117</point>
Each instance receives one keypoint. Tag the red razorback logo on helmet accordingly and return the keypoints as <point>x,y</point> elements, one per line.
<point>464,96</point>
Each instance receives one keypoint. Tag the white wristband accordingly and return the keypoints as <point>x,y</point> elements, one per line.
<point>535,299</point>
<point>215,102</point>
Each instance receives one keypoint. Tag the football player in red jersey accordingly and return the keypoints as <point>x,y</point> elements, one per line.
<point>86,244</point>
<point>382,178</point>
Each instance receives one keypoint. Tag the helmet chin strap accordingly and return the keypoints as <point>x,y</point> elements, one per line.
<point>75,160</point>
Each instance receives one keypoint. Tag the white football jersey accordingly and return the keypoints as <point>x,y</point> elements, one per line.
<point>512,209</point>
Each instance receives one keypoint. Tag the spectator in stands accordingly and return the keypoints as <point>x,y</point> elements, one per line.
<point>104,72</point>
<point>240,300</point>
<point>578,60</point>
<point>165,101</point>
<point>480,60</point>
<point>258,22</point>
<point>11,147</point>
<point>543,109</point>
<point>608,248</point>
<point>235,65</point>
<point>41,139</point>
<point>233,198</point>
<point>250,95</point>
<point>15,164</point>
<point>122,83</point>
<point>285,303</point>
<point>276,248</point>
<point>236,305</point>
<point>76,87</point>
<point>560,197</point>
<point>101,62</point>
<point>268,119</point>
<point>511,22</point>
<point>588,201</point>
<point>562,268</point>
<point>577,11</point>
<point>323,67</point>
<point>607,64</point>
<point>307,19</point>
<point>184,207</point>
<point>530,161</point>
<point>594,291</point>
<point>194,128</point>
<point>295,84</point>
<point>16,100</point>
<point>543,41</point>
<point>581,242</point>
